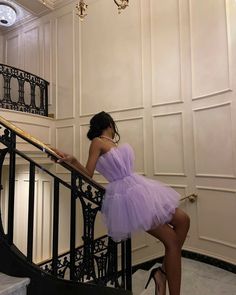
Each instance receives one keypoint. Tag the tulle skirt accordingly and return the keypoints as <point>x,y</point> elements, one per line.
<point>136,203</point>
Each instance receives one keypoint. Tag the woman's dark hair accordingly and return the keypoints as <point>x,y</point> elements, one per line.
<point>100,122</point>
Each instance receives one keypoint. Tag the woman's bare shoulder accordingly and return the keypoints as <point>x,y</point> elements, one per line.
<point>96,143</point>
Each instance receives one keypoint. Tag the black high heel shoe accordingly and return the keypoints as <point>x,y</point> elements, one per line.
<point>152,276</point>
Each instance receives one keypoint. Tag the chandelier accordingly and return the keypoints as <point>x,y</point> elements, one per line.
<point>7,15</point>
<point>82,7</point>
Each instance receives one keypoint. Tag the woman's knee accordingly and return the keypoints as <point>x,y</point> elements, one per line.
<point>181,219</point>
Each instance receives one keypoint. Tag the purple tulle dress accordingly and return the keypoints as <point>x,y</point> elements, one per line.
<point>132,202</point>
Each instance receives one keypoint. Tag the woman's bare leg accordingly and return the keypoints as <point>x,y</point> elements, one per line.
<point>180,223</point>
<point>172,256</point>
<point>180,226</point>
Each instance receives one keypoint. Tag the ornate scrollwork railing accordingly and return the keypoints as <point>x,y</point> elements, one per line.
<point>23,91</point>
<point>96,260</point>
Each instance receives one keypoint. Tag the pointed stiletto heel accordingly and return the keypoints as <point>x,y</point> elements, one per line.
<point>152,276</point>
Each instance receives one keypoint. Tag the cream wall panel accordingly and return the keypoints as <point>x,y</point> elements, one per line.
<point>168,140</point>
<point>64,220</point>
<point>165,38</point>
<point>42,132</point>
<point>64,65</point>
<point>213,222</point>
<point>32,50</point>
<point>12,56</point>
<point>209,44</point>
<point>213,141</point>
<point>21,214</point>
<point>1,61</point>
<point>1,48</point>
<point>111,58</point>
<point>65,141</point>
<point>65,138</point>
<point>47,56</point>
<point>46,220</point>
<point>84,143</point>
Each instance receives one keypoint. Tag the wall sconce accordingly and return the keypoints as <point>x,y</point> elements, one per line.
<point>7,15</point>
<point>122,4</point>
<point>81,6</point>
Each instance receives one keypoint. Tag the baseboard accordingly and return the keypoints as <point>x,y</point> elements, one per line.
<point>191,255</point>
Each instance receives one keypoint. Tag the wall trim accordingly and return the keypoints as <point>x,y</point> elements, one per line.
<point>191,255</point>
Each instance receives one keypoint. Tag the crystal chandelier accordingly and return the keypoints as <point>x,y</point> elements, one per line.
<point>82,7</point>
<point>7,15</point>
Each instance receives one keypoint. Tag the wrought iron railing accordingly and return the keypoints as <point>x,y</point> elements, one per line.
<point>23,91</point>
<point>97,260</point>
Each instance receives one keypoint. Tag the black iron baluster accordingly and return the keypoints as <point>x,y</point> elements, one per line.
<point>41,108</point>
<point>12,169</point>
<point>32,95</point>
<point>7,96</point>
<point>55,227</point>
<point>72,225</point>
<point>128,264</point>
<point>21,91</point>
<point>123,264</point>
<point>3,153</point>
<point>46,84</point>
<point>31,213</point>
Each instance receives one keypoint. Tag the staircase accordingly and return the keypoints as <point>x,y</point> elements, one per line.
<point>96,262</point>
<point>13,285</point>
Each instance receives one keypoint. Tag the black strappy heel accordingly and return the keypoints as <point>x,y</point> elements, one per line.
<point>152,276</point>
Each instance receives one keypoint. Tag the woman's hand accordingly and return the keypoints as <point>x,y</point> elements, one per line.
<point>64,157</point>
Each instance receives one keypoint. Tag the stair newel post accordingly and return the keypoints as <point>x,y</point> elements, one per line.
<point>11,199</point>
<point>55,228</point>
<point>31,213</point>
<point>72,225</point>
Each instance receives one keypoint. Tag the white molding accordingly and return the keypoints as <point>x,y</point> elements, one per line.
<point>179,99</point>
<point>229,86</point>
<point>214,106</point>
<point>219,189</point>
<point>212,94</point>
<point>217,241</point>
<point>182,141</point>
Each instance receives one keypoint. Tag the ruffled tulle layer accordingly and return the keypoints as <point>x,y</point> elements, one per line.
<point>136,203</point>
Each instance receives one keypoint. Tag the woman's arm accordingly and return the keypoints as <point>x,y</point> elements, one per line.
<point>94,153</point>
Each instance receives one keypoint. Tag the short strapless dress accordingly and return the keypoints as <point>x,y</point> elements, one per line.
<point>132,202</point>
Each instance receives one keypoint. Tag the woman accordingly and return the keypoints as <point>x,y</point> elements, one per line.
<point>133,202</point>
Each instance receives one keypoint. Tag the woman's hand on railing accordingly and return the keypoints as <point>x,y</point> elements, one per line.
<point>63,157</point>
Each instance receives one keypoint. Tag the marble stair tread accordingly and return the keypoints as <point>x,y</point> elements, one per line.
<point>9,284</point>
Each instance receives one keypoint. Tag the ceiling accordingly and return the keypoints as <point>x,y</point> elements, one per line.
<point>30,9</point>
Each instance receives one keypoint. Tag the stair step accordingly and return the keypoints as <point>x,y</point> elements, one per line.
<point>13,285</point>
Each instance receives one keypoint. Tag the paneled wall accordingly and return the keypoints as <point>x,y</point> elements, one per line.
<point>1,48</point>
<point>165,71</point>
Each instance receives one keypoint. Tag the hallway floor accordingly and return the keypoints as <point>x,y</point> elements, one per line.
<point>197,279</point>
